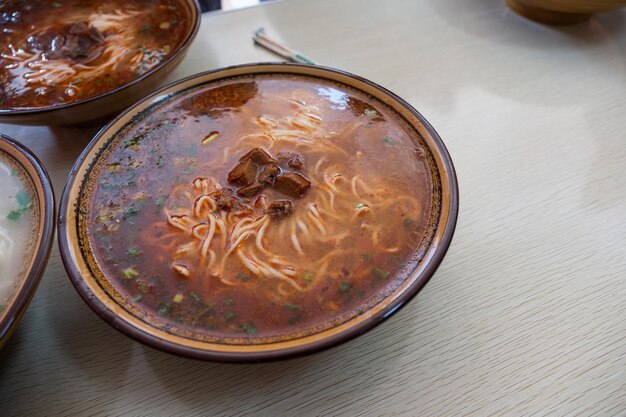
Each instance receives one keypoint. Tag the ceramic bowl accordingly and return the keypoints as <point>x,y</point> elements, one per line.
<point>99,292</point>
<point>563,11</point>
<point>102,106</point>
<point>33,174</point>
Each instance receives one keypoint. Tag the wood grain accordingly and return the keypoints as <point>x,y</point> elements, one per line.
<point>527,313</point>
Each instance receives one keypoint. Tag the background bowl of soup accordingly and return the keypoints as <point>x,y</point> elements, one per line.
<point>26,230</point>
<point>258,212</point>
<point>71,61</point>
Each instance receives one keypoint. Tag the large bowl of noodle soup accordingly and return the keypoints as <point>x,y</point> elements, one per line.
<point>26,230</point>
<point>258,212</point>
<point>72,61</point>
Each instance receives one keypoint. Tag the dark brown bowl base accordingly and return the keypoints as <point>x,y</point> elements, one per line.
<point>549,17</point>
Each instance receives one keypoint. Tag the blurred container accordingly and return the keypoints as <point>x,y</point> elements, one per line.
<point>562,12</point>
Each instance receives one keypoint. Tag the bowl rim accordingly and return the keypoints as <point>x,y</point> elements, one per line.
<point>143,336</point>
<point>195,8</point>
<point>44,246</point>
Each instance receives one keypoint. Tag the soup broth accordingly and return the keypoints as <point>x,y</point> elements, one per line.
<point>259,208</point>
<point>18,214</point>
<point>57,52</point>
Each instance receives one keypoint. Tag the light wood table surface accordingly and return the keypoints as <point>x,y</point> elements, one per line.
<point>527,313</point>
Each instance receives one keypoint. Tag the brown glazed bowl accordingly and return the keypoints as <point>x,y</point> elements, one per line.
<point>98,292</point>
<point>563,12</point>
<point>35,174</point>
<point>111,102</point>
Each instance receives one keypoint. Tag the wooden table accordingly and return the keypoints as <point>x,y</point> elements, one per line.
<point>527,313</point>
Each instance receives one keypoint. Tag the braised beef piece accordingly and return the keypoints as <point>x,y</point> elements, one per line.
<point>260,201</point>
<point>293,159</point>
<point>279,208</point>
<point>78,42</point>
<point>243,174</point>
<point>250,190</point>
<point>246,211</point>
<point>222,192</point>
<point>259,156</point>
<point>43,40</point>
<point>229,204</point>
<point>292,184</point>
<point>268,174</point>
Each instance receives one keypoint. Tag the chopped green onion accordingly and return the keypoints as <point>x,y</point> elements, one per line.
<point>344,287</point>
<point>23,200</point>
<point>163,309</point>
<point>228,301</point>
<point>210,138</point>
<point>14,215</point>
<point>229,315</point>
<point>178,298</point>
<point>130,212</point>
<point>130,273</point>
<point>380,273</point>
<point>133,252</point>
<point>132,142</point>
<point>292,306</point>
<point>407,222</point>
<point>195,297</point>
<point>138,297</point>
<point>360,205</point>
<point>365,256</point>
<point>388,139</point>
<point>114,167</point>
<point>249,328</point>
<point>243,277</point>
<point>161,201</point>
<point>160,161</point>
<point>308,277</point>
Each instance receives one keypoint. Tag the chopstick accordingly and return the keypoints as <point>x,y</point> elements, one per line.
<point>261,39</point>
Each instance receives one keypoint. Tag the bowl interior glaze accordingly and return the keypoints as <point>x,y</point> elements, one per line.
<point>100,294</point>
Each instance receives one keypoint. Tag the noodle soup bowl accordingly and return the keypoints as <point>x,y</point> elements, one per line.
<point>109,101</point>
<point>38,201</point>
<point>269,272</point>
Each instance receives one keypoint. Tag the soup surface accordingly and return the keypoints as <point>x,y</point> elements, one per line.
<point>57,52</point>
<point>259,208</point>
<point>18,215</point>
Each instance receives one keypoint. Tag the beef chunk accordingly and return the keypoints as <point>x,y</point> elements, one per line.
<point>259,156</point>
<point>77,42</point>
<point>293,159</point>
<point>229,204</point>
<point>292,184</point>
<point>221,193</point>
<point>250,190</point>
<point>269,174</point>
<point>243,174</point>
<point>279,208</point>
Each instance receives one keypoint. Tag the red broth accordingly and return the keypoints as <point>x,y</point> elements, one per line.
<point>57,52</point>
<point>183,246</point>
